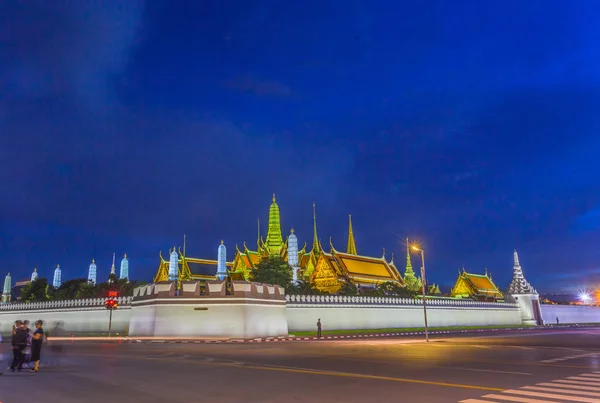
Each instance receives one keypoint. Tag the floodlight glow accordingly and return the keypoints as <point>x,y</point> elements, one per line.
<point>585,297</point>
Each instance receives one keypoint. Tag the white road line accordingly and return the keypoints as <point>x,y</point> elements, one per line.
<point>489,370</point>
<point>474,401</point>
<point>582,378</point>
<point>567,391</point>
<point>566,385</point>
<point>571,357</point>
<point>552,396</point>
<point>594,375</point>
<point>576,382</point>
<point>517,399</point>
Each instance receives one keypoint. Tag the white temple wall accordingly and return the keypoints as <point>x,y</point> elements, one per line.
<point>232,319</point>
<point>304,318</point>
<point>570,314</point>
<point>73,320</point>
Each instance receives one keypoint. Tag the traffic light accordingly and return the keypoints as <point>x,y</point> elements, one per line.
<point>111,304</point>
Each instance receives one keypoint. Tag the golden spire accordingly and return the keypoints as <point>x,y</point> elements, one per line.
<point>292,231</point>
<point>125,256</point>
<point>274,199</point>
<point>316,247</point>
<point>409,269</point>
<point>58,266</point>
<point>351,249</point>
<point>222,242</point>
<point>93,260</point>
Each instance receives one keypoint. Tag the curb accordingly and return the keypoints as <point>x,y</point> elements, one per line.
<point>353,336</point>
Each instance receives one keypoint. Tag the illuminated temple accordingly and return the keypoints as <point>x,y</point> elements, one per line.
<point>328,270</point>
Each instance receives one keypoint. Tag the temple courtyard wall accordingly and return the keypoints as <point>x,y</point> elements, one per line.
<point>570,314</point>
<point>346,313</point>
<point>252,310</point>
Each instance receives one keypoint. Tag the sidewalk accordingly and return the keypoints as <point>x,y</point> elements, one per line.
<point>420,333</point>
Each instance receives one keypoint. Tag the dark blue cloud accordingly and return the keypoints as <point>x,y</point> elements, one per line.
<point>471,128</point>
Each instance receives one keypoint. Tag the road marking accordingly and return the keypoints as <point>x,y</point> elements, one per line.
<point>571,357</point>
<point>515,399</point>
<point>582,378</point>
<point>567,391</point>
<point>568,386</point>
<point>302,371</point>
<point>552,396</point>
<point>577,382</point>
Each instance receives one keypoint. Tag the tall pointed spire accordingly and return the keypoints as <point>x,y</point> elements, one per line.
<point>316,246</point>
<point>221,261</point>
<point>113,270</point>
<point>519,285</point>
<point>274,241</point>
<point>258,236</point>
<point>351,248</point>
<point>409,268</point>
<point>34,275</point>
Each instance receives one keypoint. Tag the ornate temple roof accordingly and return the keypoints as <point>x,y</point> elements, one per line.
<point>475,285</point>
<point>519,285</point>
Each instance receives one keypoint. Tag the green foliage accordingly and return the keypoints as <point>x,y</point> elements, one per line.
<point>36,290</point>
<point>303,287</point>
<point>69,289</point>
<point>272,270</point>
<point>348,289</point>
<point>389,289</point>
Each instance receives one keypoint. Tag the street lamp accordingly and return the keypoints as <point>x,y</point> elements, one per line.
<point>423,282</point>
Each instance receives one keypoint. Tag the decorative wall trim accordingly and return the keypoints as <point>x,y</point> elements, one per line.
<point>74,304</point>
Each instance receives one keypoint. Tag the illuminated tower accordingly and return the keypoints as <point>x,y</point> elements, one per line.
<point>351,249</point>
<point>173,265</point>
<point>222,262</point>
<point>293,254</point>
<point>274,241</point>
<point>7,288</point>
<point>412,282</point>
<point>57,280</point>
<point>316,245</point>
<point>124,272</point>
<point>113,269</point>
<point>34,275</point>
<point>519,285</point>
<point>92,272</point>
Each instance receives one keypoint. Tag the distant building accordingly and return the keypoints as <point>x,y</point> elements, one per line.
<point>479,287</point>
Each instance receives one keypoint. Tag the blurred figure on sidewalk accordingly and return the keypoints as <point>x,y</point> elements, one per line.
<point>18,342</point>
<point>36,345</point>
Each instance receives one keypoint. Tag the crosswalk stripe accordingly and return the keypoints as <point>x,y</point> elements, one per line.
<point>567,391</point>
<point>552,396</point>
<point>594,375</point>
<point>566,385</point>
<point>576,382</point>
<point>516,399</point>
<point>582,378</point>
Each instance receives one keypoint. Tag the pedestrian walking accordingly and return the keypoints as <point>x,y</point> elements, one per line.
<point>36,345</point>
<point>18,342</point>
<point>27,349</point>
<point>319,327</point>
<point>557,320</point>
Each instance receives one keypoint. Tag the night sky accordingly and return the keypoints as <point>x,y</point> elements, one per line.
<point>472,128</point>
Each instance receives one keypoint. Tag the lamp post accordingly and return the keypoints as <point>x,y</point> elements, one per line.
<point>423,284</point>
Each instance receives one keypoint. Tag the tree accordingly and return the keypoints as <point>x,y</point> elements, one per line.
<point>69,289</point>
<point>36,290</point>
<point>272,270</point>
<point>348,289</point>
<point>390,289</point>
<point>303,287</point>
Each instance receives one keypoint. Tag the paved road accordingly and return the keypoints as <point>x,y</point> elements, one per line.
<point>530,367</point>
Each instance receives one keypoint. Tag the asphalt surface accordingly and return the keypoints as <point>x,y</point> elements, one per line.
<point>531,367</point>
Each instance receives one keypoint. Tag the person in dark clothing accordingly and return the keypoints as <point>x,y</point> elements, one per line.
<point>19,342</point>
<point>36,345</point>
<point>319,327</point>
<point>557,322</point>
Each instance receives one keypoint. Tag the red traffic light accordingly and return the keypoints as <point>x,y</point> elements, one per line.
<point>111,304</point>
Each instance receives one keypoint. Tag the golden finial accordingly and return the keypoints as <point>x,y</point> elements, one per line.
<point>274,200</point>
<point>93,260</point>
<point>222,242</point>
<point>383,254</point>
<point>125,256</point>
<point>35,269</point>
<point>292,231</point>
<point>58,266</point>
